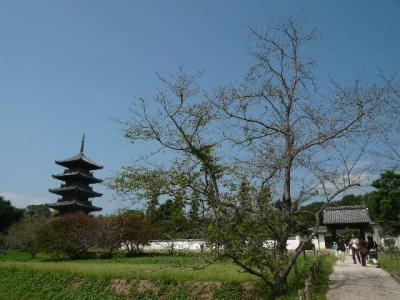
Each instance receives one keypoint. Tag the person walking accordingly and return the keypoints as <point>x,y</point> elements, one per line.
<point>341,247</point>
<point>355,248</point>
<point>363,251</point>
<point>334,248</point>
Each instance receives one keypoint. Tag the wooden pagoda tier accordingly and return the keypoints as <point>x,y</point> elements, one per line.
<point>76,190</point>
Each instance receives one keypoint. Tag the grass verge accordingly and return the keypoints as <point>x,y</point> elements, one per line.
<point>296,281</point>
<point>390,261</point>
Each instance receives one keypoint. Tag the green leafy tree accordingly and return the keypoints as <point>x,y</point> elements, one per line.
<point>305,218</point>
<point>350,200</point>
<point>171,220</point>
<point>37,210</point>
<point>8,214</point>
<point>384,203</point>
<point>195,223</point>
<point>151,209</point>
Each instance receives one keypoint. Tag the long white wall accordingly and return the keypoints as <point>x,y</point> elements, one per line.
<point>196,245</point>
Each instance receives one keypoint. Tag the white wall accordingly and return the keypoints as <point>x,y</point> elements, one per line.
<point>195,245</point>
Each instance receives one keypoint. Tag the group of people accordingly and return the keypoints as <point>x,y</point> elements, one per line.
<point>359,247</point>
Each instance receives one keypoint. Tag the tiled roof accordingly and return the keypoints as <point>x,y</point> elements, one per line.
<point>78,159</point>
<point>59,204</point>
<point>73,174</point>
<point>75,188</point>
<point>346,215</point>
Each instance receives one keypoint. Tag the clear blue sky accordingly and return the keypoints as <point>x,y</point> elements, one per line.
<point>68,67</point>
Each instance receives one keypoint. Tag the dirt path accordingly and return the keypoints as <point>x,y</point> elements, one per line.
<point>350,281</point>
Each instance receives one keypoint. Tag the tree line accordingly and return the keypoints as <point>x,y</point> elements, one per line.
<point>37,229</point>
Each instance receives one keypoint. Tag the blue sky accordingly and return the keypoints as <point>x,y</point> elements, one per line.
<point>68,67</point>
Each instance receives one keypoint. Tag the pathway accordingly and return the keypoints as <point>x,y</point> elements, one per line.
<point>350,281</point>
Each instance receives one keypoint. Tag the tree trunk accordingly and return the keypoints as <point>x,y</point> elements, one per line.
<point>280,285</point>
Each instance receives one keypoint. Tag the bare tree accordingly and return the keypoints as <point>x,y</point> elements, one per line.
<point>289,141</point>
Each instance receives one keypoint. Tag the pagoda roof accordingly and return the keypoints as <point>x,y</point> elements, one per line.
<point>77,174</point>
<point>79,159</point>
<point>346,215</point>
<point>75,188</point>
<point>73,204</point>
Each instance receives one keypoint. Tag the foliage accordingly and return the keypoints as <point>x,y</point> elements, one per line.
<point>322,280</point>
<point>70,235</point>
<point>28,235</point>
<point>74,234</point>
<point>305,218</point>
<point>384,204</point>
<point>36,211</point>
<point>8,214</point>
<point>347,233</point>
<point>350,200</point>
<point>135,231</point>
<point>390,244</point>
<point>105,237</point>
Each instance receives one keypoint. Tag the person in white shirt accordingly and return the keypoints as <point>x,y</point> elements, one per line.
<point>355,248</point>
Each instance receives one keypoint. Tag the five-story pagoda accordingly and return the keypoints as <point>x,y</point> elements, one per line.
<point>76,191</point>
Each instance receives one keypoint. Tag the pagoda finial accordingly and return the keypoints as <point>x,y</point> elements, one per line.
<point>83,143</point>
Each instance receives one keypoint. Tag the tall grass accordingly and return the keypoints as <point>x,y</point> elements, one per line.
<point>390,261</point>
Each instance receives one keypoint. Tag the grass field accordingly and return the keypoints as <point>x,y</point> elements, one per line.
<point>164,268</point>
<point>147,277</point>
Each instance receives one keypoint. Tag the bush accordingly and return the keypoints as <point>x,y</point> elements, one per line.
<point>390,244</point>
<point>309,246</point>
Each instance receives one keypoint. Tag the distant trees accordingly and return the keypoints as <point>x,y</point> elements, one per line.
<point>77,235</point>
<point>36,210</point>
<point>350,200</point>
<point>8,214</point>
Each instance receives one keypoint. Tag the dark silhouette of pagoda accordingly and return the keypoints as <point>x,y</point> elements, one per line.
<point>76,191</point>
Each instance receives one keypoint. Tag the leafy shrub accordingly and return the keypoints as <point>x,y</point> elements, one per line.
<point>390,244</point>
<point>309,246</point>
